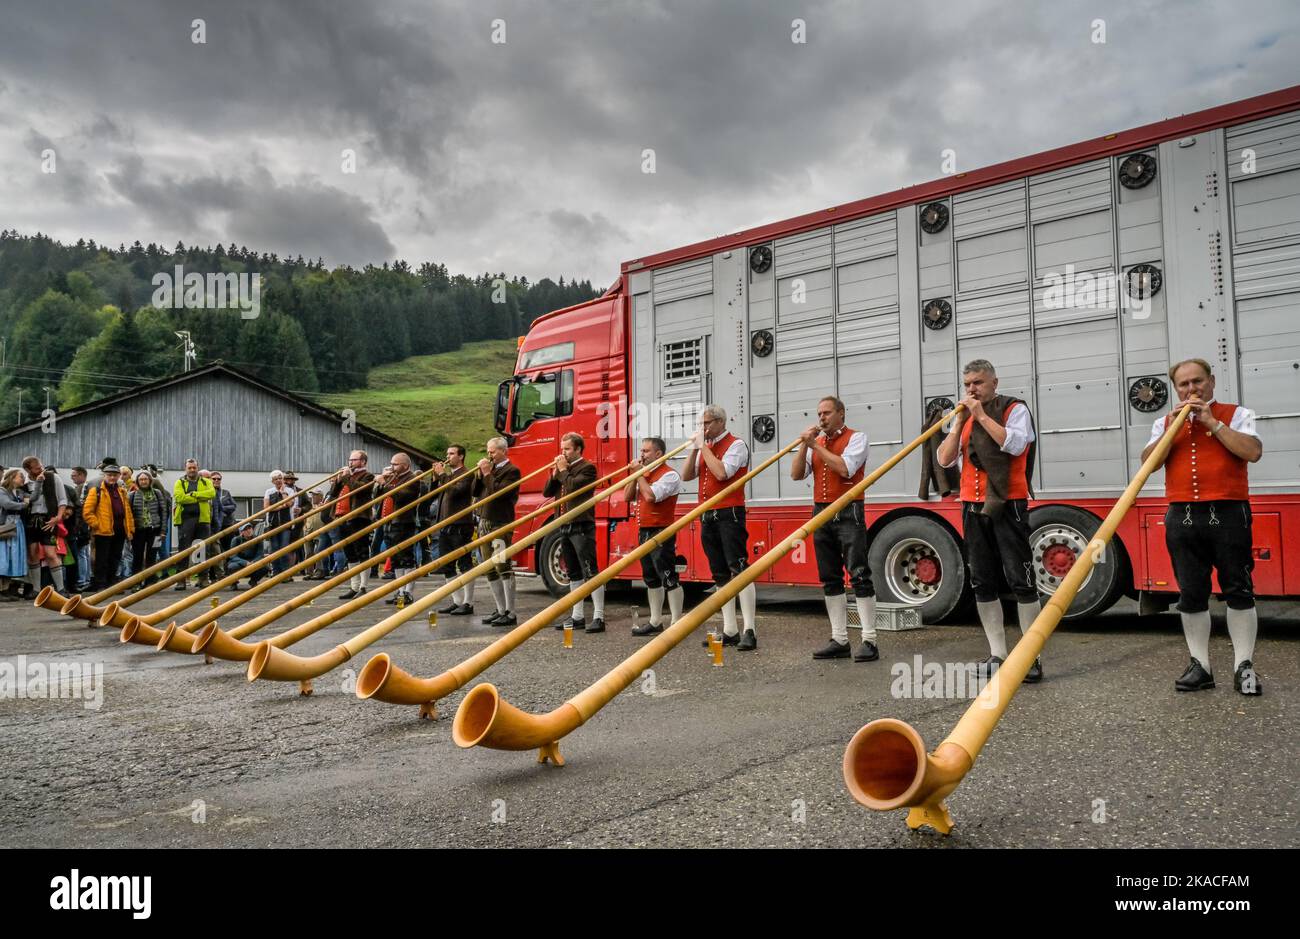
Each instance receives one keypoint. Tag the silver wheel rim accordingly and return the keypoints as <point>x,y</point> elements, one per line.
<point>900,571</point>
<point>556,563</point>
<point>1045,538</point>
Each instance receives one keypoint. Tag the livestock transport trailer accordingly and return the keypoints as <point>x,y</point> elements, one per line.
<point>1081,273</point>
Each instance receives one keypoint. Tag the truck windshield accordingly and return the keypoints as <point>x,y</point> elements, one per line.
<point>546,395</point>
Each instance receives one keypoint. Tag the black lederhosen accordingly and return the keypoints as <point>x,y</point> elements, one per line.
<point>485,551</point>
<point>452,538</point>
<point>998,548</point>
<point>726,542</point>
<point>359,550</point>
<point>578,550</point>
<point>35,533</point>
<point>1204,535</point>
<point>659,567</point>
<point>842,543</point>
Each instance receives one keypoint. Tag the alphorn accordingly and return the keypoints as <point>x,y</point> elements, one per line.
<point>181,638</point>
<point>211,640</point>
<point>83,608</point>
<point>886,765</point>
<point>135,578</point>
<point>114,615</point>
<point>274,663</point>
<point>485,719</point>
<point>381,680</point>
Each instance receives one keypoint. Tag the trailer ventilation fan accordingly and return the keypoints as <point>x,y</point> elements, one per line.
<point>1137,171</point>
<point>934,218</point>
<point>1148,394</point>
<point>760,259</point>
<point>937,406</point>
<point>1144,281</point>
<point>764,428</point>
<point>937,314</point>
<point>762,343</point>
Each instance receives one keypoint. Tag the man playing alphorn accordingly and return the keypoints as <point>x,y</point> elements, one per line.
<point>494,473</point>
<point>720,458</point>
<point>459,533</point>
<point>991,443</point>
<point>834,455</point>
<point>656,505</point>
<point>1208,525</point>
<point>570,473</point>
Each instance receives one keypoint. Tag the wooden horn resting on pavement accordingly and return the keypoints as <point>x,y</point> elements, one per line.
<point>485,719</point>
<point>886,765</point>
<point>84,607</point>
<point>182,638</point>
<point>138,628</point>
<point>276,664</point>
<point>213,641</point>
<point>381,680</point>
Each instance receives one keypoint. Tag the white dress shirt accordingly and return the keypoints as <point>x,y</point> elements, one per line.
<point>854,455</point>
<point>1243,421</point>
<point>1020,434</point>
<point>666,486</point>
<point>737,455</point>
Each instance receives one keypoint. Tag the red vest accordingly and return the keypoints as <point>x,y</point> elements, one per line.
<point>710,486</point>
<point>1200,468</point>
<point>829,485</point>
<point>975,482</point>
<point>652,514</point>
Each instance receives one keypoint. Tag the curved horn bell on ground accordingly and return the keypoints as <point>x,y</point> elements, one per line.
<point>885,764</point>
<point>483,719</point>
<point>50,599</point>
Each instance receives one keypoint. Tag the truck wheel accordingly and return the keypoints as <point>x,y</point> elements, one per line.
<point>550,565</point>
<point>917,561</point>
<point>1058,535</point>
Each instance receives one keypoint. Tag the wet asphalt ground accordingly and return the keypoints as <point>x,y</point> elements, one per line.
<point>1103,753</point>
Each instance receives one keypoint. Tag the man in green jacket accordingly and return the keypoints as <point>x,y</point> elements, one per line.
<point>193,495</point>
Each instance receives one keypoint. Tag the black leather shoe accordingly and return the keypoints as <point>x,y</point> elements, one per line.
<point>391,599</point>
<point>464,609</point>
<point>597,626</point>
<point>491,620</point>
<point>984,670</point>
<point>1196,678</point>
<point>647,629</point>
<point>726,640</point>
<point>866,652</point>
<point>748,642</point>
<point>451,608</point>
<point>833,650</point>
<point>505,619</point>
<point>180,586</point>
<point>1035,673</point>
<point>577,624</point>
<point>1245,680</point>
<point>351,594</point>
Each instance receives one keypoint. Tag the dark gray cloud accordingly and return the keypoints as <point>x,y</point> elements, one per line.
<point>527,156</point>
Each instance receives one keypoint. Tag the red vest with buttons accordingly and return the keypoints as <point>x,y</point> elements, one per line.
<point>1200,468</point>
<point>829,485</point>
<point>710,485</point>
<point>651,514</point>
<point>975,482</point>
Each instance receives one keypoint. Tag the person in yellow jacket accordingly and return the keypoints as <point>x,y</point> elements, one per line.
<point>107,512</point>
<point>192,496</point>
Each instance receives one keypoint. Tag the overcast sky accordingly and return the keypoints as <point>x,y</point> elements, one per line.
<point>526,156</point>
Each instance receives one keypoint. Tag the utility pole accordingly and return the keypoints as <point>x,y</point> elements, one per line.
<point>47,396</point>
<point>187,348</point>
<point>20,405</point>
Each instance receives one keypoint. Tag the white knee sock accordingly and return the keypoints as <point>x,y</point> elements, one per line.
<point>574,586</point>
<point>467,592</point>
<point>656,604</point>
<point>598,602</point>
<point>729,617</point>
<point>867,614</point>
<point>1242,627</point>
<point>365,578</point>
<point>1028,612</point>
<point>56,574</point>
<point>498,594</point>
<point>676,598</point>
<point>355,582</point>
<point>1196,630</point>
<point>749,605</point>
<point>837,608</point>
<point>991,620</point>
<point>509,582</point>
